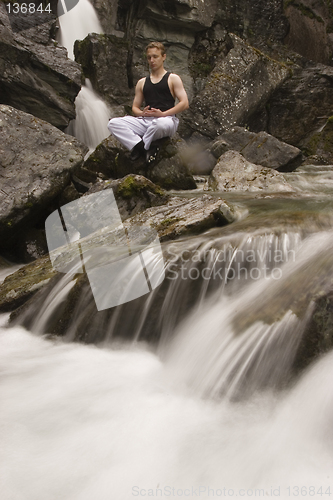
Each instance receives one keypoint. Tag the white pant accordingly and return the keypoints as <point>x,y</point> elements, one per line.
<point>130,130</point>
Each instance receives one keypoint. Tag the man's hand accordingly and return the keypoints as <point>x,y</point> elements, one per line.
<point>152,112</point>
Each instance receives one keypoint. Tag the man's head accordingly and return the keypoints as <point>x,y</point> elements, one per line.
<point>155,55</point>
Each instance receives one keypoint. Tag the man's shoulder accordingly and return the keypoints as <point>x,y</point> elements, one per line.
<point>174,76</point>
<point>141,82</point>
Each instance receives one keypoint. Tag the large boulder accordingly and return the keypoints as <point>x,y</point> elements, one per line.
<point>301,105</point>
<point>103,59</point>
<point>239,84</point>
<point>260,148</point>
<point>37,78</point>
<point>112,160</point>
<point>234,173</point>
<point>36,162</point>
<point>134,193</point>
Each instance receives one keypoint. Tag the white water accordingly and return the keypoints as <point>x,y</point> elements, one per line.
<point>82,423</point>
<point>92,113</point>
<point>77,24</point>
<point>92,117</point>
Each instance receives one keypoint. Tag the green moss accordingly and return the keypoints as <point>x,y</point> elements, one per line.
<point>129,188</point>
<point>312,146</point>
<point>171,220</point>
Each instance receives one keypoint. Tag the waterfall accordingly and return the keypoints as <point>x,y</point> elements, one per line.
<point>77,23</point>
<point>92,113</point>
<point>92,117</point>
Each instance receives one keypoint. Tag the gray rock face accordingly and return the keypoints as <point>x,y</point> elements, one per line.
<point>238,85</point>
<point>36,160</point>
<point>262,19</point>
<point>234,173</point>
<point>37,78</point>
<point>302,104</point>
<point>310,32</point>
<point>103,59</point>
<point>261,148</point>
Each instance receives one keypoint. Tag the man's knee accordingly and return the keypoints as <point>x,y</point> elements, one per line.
<point>164,126</point>
<point>112,124</point>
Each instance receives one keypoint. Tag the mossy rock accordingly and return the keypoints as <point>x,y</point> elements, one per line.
<point>18,287</point>
<point>321,144</point>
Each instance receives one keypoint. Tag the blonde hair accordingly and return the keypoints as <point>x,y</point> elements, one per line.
<point>156,45</point>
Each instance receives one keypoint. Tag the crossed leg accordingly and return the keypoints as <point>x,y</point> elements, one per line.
<point>130,130</point>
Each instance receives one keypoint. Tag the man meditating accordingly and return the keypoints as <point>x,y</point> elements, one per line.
<point>158,118</point>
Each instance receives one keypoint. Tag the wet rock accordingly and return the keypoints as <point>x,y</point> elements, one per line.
<point>239,84</point>
<point>36,163</point>
<point>185,216</point>
<point>37,78</point>
<point>169,171</point>
<point>319,147</point>
<point>178,217</point>
<point>234,173</point>
<point>260,148</point>
<point>18,287</point>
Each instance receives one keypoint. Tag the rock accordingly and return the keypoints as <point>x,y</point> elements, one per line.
<point>103,59</point>
<point>254,21</point>
<point>37,78</point>
<point>181,216</point>
<point>261,148</point>
<point>234,173</point>
<point>32,245</point>
<point>319,147</point>
<point>178,217</point>
<point>18,287</point>
<point>36,163</point>
<point>239,84</point>
<point>169,171</point>
<point>310,32</point>
<point>301,105</point>
<point>134,193</point>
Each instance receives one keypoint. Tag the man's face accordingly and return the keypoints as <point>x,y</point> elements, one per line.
<point>155,58</point>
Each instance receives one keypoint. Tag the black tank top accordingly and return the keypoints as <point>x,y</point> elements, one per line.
<point>158,95</point>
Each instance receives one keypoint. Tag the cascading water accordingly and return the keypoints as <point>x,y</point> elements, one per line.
<point>92,113</point>
<point>189,391</point>
<point>170,418</point>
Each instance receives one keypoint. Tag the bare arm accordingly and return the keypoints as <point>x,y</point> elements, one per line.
<point>138,99</point>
